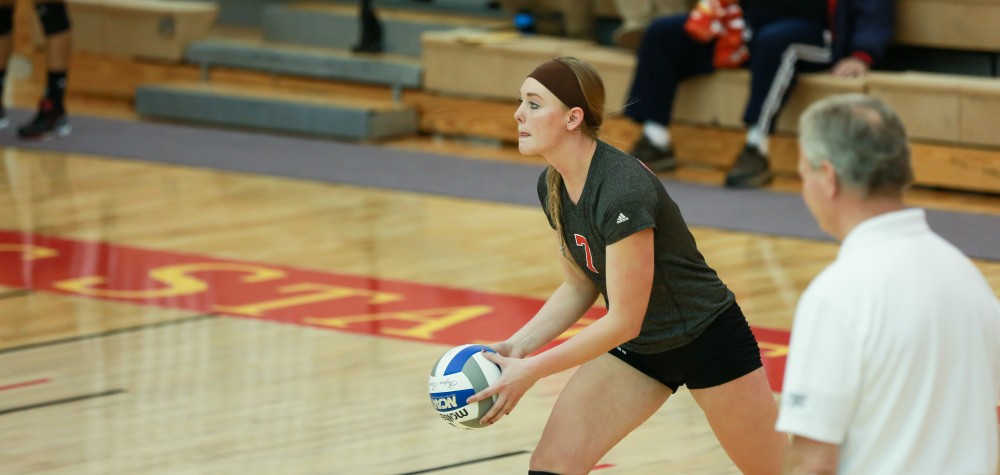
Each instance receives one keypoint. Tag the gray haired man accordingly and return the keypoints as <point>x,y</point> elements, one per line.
<point>894,365</point>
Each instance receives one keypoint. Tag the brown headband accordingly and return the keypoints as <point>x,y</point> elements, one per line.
<point>559,79</point>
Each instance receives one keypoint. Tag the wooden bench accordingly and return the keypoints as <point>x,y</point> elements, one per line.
<point>152,29</point>
<point>943,113</point>
<point>961,105</point>
<point>949,24</point>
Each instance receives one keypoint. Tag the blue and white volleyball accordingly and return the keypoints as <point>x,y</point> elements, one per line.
<point>458,374</point>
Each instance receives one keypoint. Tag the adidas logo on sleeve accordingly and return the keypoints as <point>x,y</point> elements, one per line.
<point>622,218</point>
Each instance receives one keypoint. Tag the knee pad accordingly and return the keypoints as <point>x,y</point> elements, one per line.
<point>53,17</point>
<point>6,19</point>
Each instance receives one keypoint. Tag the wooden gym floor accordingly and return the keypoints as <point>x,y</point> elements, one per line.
<point>171,320</point>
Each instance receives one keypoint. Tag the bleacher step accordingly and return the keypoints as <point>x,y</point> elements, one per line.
<point>317,62</point>
<point>151,29</point>
<point>276,110</point>
<point>336,25</point>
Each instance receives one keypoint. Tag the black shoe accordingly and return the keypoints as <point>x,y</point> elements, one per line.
<point>368,47</point>
<point>654,157</point>
<point>47,124</point>
<point>751,169</point>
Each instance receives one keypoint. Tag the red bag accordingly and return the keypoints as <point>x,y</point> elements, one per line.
<point>720,20</point>
<point>704,23</point>
<point>730,49</point>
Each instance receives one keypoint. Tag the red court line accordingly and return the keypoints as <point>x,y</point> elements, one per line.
<point>262,291</point>
<point>25,384</point>
<point>332,301</point>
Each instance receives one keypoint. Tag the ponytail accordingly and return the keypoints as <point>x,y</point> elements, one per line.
<point>554,184</point>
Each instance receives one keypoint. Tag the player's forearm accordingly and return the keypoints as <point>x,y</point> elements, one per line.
<point>597,338</point>
<point>564,308</point>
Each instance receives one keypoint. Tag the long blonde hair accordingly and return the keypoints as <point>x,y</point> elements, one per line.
<point>593,91</point>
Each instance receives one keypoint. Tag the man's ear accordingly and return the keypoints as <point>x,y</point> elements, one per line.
<point>831,182</point>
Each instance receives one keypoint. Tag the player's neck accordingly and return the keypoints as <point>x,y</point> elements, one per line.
<point>572,159</point>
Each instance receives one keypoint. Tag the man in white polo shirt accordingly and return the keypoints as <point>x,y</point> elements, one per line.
<point>894,365</point>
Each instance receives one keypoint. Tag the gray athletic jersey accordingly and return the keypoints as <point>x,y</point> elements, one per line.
<point>622,197</point>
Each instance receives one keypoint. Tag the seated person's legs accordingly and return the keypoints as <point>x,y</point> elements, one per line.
<point>773,65</point>
<point>667,55</point>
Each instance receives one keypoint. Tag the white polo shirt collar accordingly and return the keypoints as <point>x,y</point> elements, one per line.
<point>879,229</point>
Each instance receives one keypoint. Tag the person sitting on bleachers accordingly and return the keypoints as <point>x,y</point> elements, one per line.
<point>783,38</point>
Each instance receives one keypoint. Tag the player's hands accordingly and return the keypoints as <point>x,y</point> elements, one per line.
<point>850,67</point>
<point>516,377</point>
<point>507,349</point>
<point>503,348</point>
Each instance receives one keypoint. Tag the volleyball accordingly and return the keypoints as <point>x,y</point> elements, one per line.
<point>461,372</point>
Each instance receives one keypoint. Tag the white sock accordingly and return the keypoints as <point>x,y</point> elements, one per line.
<point>658,134</point>
<point>757,138</point>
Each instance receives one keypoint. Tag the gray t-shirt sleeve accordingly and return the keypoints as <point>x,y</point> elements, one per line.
<point>627,205</point>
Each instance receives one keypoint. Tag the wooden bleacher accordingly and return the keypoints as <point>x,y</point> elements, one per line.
<point>949,117</point>
<point>470,79</point>
<point>158,30</point>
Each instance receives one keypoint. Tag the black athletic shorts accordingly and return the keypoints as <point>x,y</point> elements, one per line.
<point>723,352</point>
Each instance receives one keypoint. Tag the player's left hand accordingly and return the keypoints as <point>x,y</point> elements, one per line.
<point>517,375</point>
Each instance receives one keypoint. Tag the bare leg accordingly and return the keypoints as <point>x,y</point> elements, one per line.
<point>58,44</point>
<point>5,49</point>
<point>603,401</point>
<point>59,49</point>
<point>742,414</point>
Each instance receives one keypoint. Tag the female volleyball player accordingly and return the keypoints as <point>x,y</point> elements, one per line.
<point>670,322</point>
